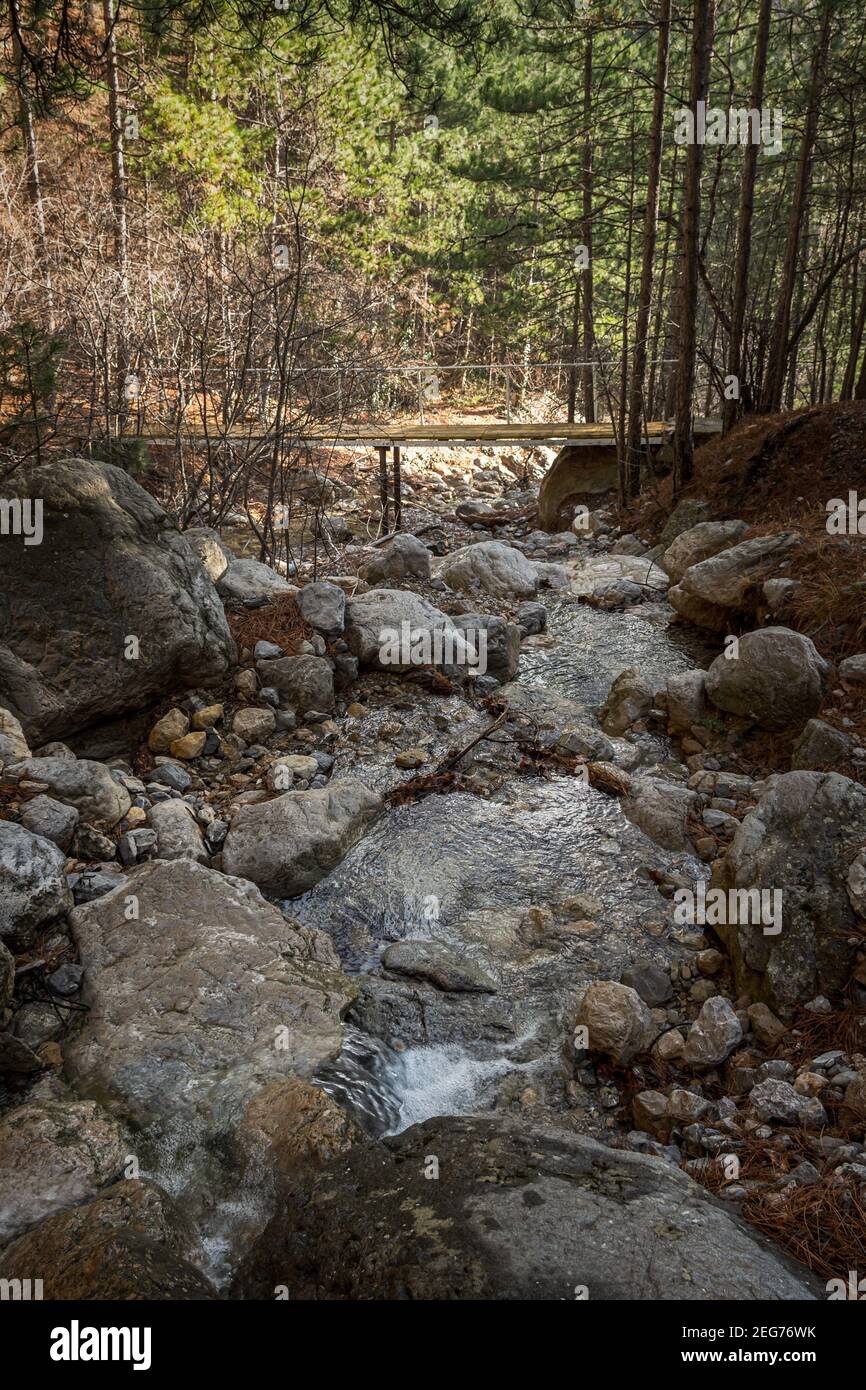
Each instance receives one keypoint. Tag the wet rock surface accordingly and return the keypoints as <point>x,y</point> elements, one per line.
<point>474,886</point>
<point>511,1211</point>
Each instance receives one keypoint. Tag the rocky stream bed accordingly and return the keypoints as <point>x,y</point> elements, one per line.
<point>327,975</point>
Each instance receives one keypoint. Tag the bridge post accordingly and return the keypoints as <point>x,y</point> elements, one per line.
<point>398,491</point>
<point>383,486</point>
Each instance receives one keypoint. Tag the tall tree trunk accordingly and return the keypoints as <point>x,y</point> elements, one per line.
<point>702,43</point>
<point>777,359</point>
<point>620,427</point>
<point>639,354</point>
<point>731,408</point>
<point>854,349</point>
<point>118,201</point>
<point>573,350</point>
<point>588,383</point>
<point>34,178</point>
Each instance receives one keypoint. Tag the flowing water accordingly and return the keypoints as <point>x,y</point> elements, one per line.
<point>466,874</point>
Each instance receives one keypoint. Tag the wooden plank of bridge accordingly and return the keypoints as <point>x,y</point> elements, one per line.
<point>389,436</point>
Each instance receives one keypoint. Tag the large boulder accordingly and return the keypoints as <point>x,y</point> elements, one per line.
<point>512,1212</point>
<point>376,622</point>
<point>699,543</point>
<point>404,558</point>
<point>54,1154</point>
<point>661,810</point>
<point>323,606</point>
<point>177,832</point>
<point>305,682</point>
<point>118,569</point>
<point>33,887</point>
<point>501,641</point>
<point>286,845</point>
<point>630,698</point>
<point>51,819</point>
<point>130,1242</point>
<point>199,999</point>
<point>777,679</point>
<point>88,786</point>
<point>730,581</point>
<point>252,582</point>
<point>616,1019</point>
<point>800,840</point>
<point>491,567</point>
<point>698,611</point>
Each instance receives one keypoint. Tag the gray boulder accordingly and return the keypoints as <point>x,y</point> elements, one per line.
<point>520,1213</point>
<point>51,819</point>
<point>250,581</point>
<point>732,580</point>
<point>713,1036</point>
<point>852,671</point>
<point>405,557</point>
<point>304,682</point>
<point>177,833</point>
<point>376,621</point>
<point>778,678</point>
<point>820,745</point>
<point>439,966</point>
<point>686,700</point>
<point>286,845</point>
<point>86,785</point>
<point>122,571</point>
<point>800,839</point>
<point>630,698</point>
<point>491,567</point>
<point>205,997</point>
<point>661,810</point>
<point>33,887</point>
<point>323,606</point>
<point>699,543</point>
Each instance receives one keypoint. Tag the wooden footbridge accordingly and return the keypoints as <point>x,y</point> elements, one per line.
<point>203,414</point>
<point>571,474</point>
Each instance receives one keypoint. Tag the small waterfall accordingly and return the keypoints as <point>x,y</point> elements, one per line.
<point>387,1091</point>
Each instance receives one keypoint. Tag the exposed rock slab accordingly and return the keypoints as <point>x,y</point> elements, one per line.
<point>517,1213</point>
<point>199,1001</point>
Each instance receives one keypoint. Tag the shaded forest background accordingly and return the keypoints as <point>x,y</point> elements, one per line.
<point>205,204</point>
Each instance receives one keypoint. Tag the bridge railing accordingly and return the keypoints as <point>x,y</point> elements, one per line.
<point>216,405</point>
